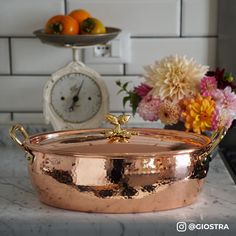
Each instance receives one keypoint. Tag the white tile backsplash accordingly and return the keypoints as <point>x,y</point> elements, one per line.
<point>30,56</point>
<point>139,17</point>
<point>4,56</point>
<point>29,118</point>
<point>22,17</point>
<point>146,51</point>
<point>155,25</point>
<point>199,17</point>
<point>25,92</point>
<point>108,69</point>
<point>5,118</point>
<point>21,93</point>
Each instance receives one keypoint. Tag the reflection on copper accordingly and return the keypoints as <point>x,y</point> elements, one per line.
<point>182,160</point>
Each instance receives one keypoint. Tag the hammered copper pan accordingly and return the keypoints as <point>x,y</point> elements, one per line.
<point>117,171</point>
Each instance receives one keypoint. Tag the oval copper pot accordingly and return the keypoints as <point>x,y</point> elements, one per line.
<point>117,171</point>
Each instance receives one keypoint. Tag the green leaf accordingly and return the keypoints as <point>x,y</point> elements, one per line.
<point>132,97</point>
<point>120,91</point>
<point>229,77</point>
<point>124,86</point>
<point>125,100</point>
<point>118,83</point>
<point>134,101</point>
<point>134,109</point>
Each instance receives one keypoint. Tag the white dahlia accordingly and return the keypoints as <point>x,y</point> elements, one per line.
<point>174,77</point>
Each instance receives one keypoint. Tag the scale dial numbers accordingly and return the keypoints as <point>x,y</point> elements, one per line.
<point>76,97</point>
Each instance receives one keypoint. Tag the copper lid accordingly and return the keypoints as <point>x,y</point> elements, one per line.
<point>93,143</point>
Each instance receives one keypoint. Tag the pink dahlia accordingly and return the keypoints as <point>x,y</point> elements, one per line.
<point>226,108</point>
<point>142,90</point>
<point>227,100</point>
<point>208,85</point>
<point>148,108</point>
<point>215,120</point>
<point>221,118</point>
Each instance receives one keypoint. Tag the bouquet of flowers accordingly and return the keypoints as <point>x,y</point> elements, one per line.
<point>177,89</point>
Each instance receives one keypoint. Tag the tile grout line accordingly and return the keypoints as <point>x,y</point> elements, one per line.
<point>181,19</point>
<point>124,69</point>
<point>18,37</point>
<point>65,7</point>
<point>10,55</point>
<point>48,75</point>
<point>26,75</point>
<point>174,37</point>
<point>132,37</point>
<point>41,112</point>
<point>12,116</point>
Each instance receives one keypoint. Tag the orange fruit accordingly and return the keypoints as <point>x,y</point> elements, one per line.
<point>80,15</point>
<point>92,26</point>
<point>61,24</point>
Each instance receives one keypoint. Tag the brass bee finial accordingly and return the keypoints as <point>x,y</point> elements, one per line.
<point>118,132</point>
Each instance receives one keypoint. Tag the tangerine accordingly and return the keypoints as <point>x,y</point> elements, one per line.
<point>61,24</point>
<point>80,15</point>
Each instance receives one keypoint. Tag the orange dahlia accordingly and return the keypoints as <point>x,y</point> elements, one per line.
<point>198,113</point>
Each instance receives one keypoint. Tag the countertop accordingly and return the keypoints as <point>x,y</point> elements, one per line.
<point>21,213</point>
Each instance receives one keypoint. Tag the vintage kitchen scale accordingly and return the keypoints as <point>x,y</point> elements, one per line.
<point>75,96</point>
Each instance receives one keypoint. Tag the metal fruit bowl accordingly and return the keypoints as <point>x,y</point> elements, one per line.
<point>80,40</point>
<point>117,170</point>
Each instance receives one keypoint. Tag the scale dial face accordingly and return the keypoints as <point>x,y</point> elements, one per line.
<point>76,97</point>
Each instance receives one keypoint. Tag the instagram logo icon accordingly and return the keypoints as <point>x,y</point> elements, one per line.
<point>181,226</point>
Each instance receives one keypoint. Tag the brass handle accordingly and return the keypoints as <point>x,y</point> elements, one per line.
<point>204,153</point>
<point>13,134</point>
<point>216,138</point>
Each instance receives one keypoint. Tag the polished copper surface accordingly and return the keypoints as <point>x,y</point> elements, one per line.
<point>148,142</point>
<point>86,171</point>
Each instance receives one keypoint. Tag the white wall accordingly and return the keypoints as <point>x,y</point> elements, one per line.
<point>158,28</point>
